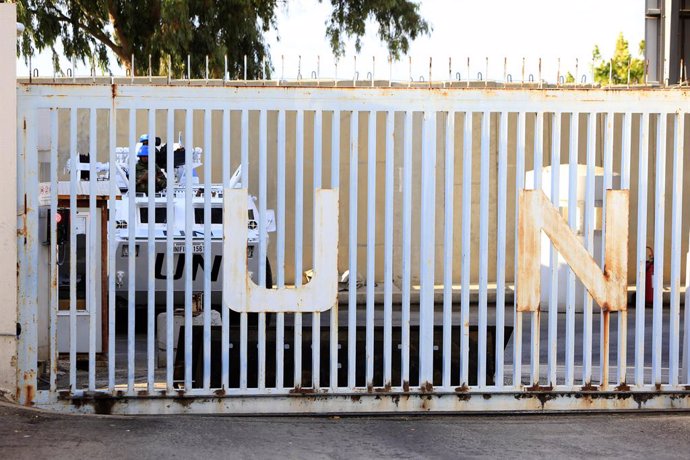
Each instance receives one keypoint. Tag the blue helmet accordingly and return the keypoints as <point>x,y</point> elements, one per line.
<point>143,150</point>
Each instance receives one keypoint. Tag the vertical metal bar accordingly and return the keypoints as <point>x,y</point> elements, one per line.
<point>169,290</point>
<point>299,215</point>
<point>335,185</point>
<point>519,185</point>
<point>604,349</point>
<point>538,150</point>
<point>112,245</point>
<point>244,168</point>
<point>92,257</point>
<point>604,323</point>
<point>53,255</point>
<point>536,316</point>
<point>572,221</point>
<point>225,312</point>
<point>427,237</point>
<point>622,352</point>
<point>371,241</point>
<point>263,235</point>
<point>74,174</point>
<point>535,336</point>
<point>26,257</point>
<point>641,249</point>
<point>28,312</point>
<point>244,148</point>
<point>483,248</point>
<point>686,324</point>
<point>335,150</point>
<point>589,245</point>
<point>131,253</point>
<point>501,245</point>
<point>388,254</point>
<point>151,246</point>
<point>658,281</point>
<point>208,167</point>
<point>244,174</point>
<point>677,219</point>
<point>280,248</point>
<point>316,316</point>
<point>449,169</point>
<point>352,256</point>
<point>466,249</point>
<point>23,345</point>
<point>625,151</point>
<point>553,256</point>
<point>188,216</point>
<point>406,250</point>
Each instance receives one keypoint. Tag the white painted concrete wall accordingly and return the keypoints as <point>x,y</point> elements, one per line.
<point>8,201</point>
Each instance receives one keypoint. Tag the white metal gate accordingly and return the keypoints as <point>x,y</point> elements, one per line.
<point>427,181</point>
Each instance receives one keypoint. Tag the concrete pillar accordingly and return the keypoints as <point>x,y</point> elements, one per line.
<point>8,201</point>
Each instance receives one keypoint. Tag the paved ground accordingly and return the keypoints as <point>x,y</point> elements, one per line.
<point>33,434</point>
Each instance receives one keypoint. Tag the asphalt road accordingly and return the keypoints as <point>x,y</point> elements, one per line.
<point>33,434</point>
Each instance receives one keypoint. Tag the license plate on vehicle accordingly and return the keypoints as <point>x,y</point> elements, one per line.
<point>197,248</point>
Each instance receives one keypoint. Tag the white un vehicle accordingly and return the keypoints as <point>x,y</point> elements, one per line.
<point>120,173</point>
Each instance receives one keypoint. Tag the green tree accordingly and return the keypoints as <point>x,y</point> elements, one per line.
<point>169,30</point>
<point>622,62</point>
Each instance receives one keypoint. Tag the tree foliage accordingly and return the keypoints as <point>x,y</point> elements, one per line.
<point>614,71</point>
<point>398,21</point>
<point>170,30</point>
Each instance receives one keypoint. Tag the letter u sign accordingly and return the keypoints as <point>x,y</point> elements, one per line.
<point>608,288</point>
<point>239,291</point>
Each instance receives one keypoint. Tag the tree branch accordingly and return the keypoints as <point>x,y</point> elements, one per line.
<point>126,45</point>
<point>95,32</point>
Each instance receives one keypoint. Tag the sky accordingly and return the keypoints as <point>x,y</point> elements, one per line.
<point>476,29</point>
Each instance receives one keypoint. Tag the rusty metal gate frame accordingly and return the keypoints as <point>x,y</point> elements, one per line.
<point>543,392</point>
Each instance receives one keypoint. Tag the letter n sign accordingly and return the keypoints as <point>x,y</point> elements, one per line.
<point>608,288</point>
